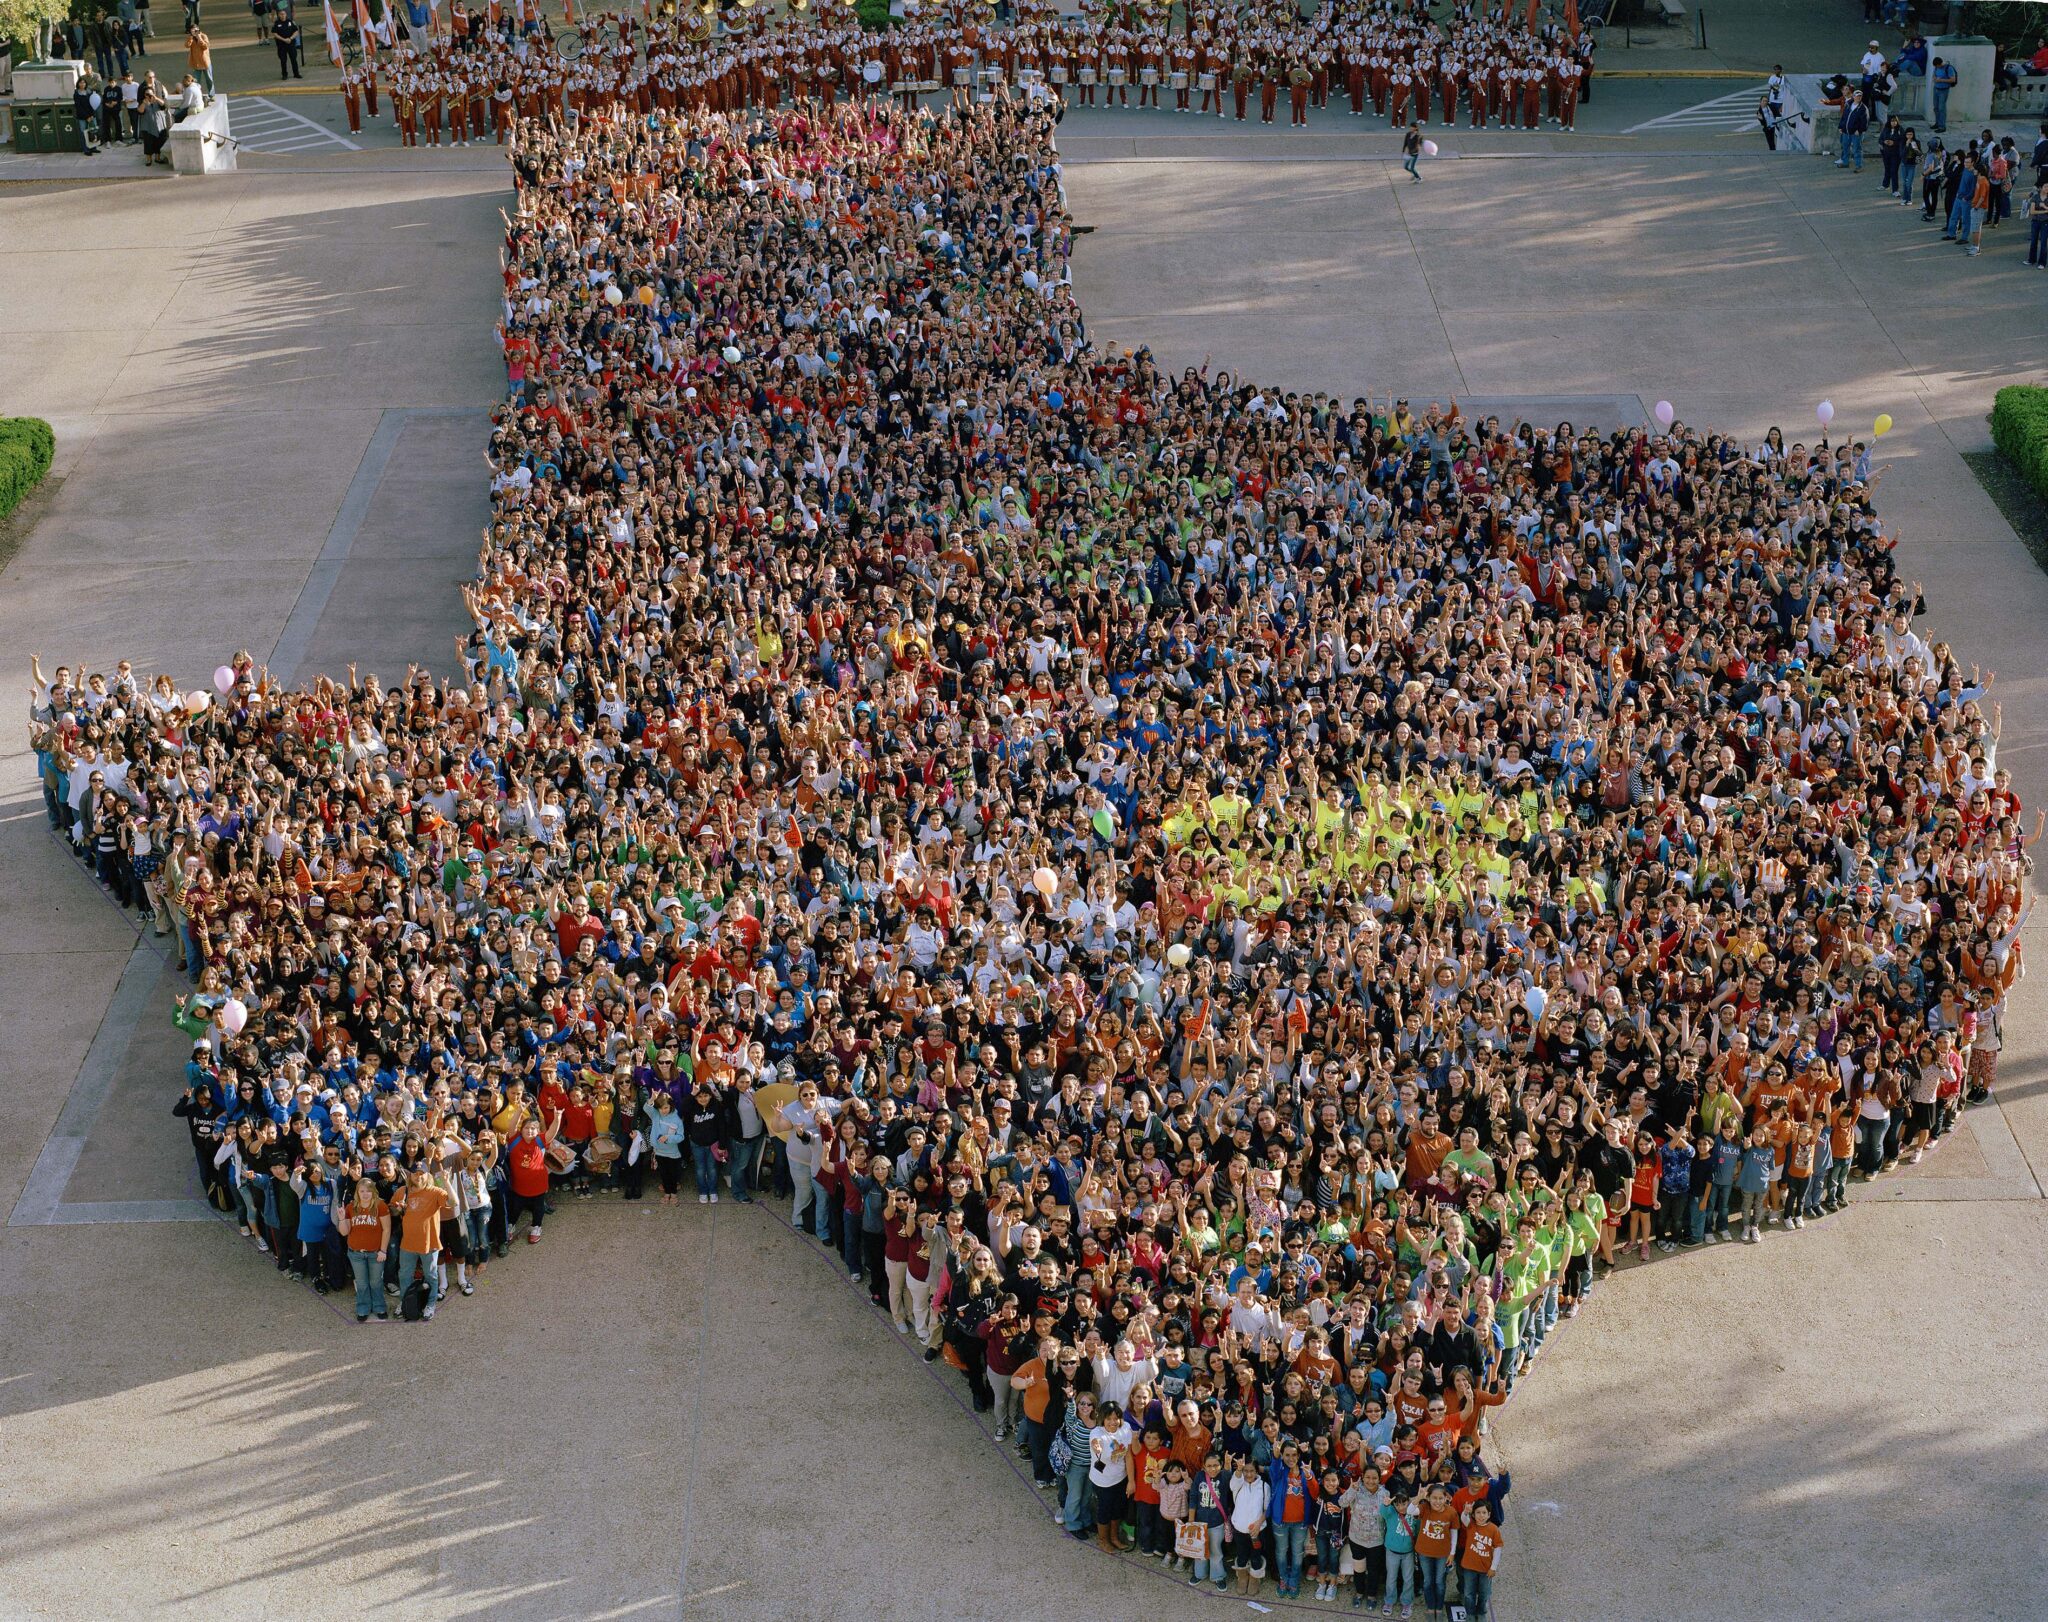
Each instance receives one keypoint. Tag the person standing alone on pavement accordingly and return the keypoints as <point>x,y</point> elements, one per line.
<point>1940,81</point>
<point>1411,152</point>
<point>290,41</point>
<point>1855,120</point>
<point>199,58</point>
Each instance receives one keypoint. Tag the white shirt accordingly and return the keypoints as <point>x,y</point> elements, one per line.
<point>1247,1502</point>
<point>1106,1450</point>
<point>1114,1385</point>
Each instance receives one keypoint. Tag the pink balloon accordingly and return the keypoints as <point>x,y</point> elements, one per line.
<point>1825,411</point>
<point>224,679</point>
<point>234,1014</point>
<point>1429,149</point>
<point>1664,414</point>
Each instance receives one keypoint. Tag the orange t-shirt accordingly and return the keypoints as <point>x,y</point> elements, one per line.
<point>420,1232</point>
<point>364,1227</point>
<point>1433,1529</point>
<point>1437,1437</point>
<point>1410,1407</point>
<point>1038,1392</point>
<point>1482,1548</point>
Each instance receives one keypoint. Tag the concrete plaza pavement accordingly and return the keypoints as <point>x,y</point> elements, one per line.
<point>269,416</point>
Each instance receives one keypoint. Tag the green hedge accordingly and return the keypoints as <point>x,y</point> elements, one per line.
<point>2019,426</point>
<point>26,445</point>
<point>873,13</point>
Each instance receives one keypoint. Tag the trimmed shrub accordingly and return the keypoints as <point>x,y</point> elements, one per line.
<point>26,445</point>
<point>873,13</point>
<point>2019,427</point>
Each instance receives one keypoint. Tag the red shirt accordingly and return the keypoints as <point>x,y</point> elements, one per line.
<point>529,1163</point>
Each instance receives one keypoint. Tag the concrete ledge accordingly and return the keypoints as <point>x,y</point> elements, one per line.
<point>201,145</point>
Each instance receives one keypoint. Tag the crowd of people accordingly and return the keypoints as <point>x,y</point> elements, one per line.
<point>1965,185</point>
<point>1230,909</point>
<point>482,72</point>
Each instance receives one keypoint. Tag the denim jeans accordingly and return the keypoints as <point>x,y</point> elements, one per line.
<point>1212,1566</point>
<point>1400,1576</point>
<point>1717,1207</point>
<point>1432,1580</point>
<point>477,1224</point>
<point>2037,240</point>
<point>368,1268</point>
<point>1478,1595</point>
<point>1696,1215</point>
<point>1080,1507</point>
<point>423,1264</point>
<point>849,1241</point>
<point>1907,170</point>
<point>739,1166</point>
<point>1329,1556</point>
<point>1290,1542</point>
<point>1941,106</point>
<point>1852,150</point>
<point>1037,1442</point>
<point>1151,1529</point>
<point>1870,1142</point>
<point>705,1164</point>
<point>1753,1201</point>
<point>826,1214</point>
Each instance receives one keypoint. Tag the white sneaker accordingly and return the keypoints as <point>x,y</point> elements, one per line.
<point>714,1199</point>
<point>703,1199</point>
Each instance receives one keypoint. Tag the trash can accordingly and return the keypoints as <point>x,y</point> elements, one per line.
<point>45,128</point>
<point>21,132</point>
<point>64,132</point>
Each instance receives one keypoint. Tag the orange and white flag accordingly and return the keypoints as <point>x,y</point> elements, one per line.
<point>333,33</point>
<point>368,33</point>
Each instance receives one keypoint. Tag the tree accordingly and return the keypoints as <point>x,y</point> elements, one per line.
<point>31,23</point>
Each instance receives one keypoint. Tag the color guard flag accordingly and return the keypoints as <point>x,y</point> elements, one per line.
<point>363,28</point>
<point>333,33</point>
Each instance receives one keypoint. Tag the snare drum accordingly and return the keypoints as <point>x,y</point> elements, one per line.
<point>1148,76</point>
<point>1117,76</point>
<point>1177,80</point>
<point>1087,75</point>
<point>1206,82</point>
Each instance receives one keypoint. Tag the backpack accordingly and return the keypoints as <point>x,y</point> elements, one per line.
<point>413,1306</point>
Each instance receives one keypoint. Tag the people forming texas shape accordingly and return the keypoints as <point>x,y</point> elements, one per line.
<point>1229,909</point>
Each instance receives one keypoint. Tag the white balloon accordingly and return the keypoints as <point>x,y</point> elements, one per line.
<point>1429,149</point>
<point>1178,954</point>
<point>234,1014</point>
<point>732,354</point>
<point>1536,1001</point>
<point>1825,411</point>
<point>198,699</point>
<point>612,295</point>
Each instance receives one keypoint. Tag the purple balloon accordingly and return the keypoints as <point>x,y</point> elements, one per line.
<point>1664,414</point>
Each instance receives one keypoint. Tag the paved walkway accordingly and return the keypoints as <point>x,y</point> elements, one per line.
<point>268,413</point>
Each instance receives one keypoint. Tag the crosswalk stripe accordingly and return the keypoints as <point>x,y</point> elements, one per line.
<point>1733,111</point>
<point>262,126</point>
